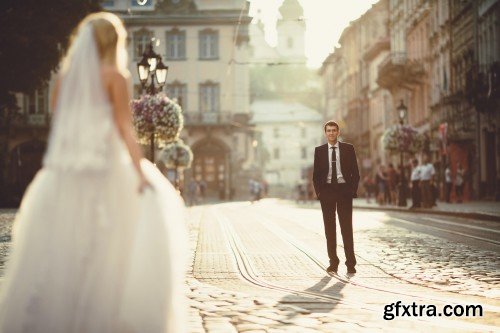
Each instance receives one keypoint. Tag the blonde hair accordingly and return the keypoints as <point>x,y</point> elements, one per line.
<point>110,37</point>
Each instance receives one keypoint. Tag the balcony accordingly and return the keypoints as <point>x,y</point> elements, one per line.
<point>207,118</point>
<point>396,70</point>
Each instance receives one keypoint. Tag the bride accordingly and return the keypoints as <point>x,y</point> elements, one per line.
<point>99,239</point>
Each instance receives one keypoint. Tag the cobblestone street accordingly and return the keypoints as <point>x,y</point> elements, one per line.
<point>260,268</point>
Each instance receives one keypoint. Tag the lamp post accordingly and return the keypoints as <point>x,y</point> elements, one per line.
<point>151,66</point>
<point>402,110</point>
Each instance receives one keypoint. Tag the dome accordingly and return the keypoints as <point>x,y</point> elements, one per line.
<point>291,10</point>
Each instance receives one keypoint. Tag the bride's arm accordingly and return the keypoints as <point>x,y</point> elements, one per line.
<point>55,94</point>
<point>120,98</point>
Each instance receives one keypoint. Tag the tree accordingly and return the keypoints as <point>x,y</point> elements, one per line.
<point>34,37</point>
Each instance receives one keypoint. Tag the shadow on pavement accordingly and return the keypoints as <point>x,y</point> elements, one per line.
<point>323,287</point>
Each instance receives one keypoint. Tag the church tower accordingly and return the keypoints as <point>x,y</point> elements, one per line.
<point>291,30</point>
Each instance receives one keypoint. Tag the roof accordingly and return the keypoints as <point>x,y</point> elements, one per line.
<point>273,111</point>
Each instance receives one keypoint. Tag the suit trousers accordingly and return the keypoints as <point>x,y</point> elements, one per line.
<point>338,198</point>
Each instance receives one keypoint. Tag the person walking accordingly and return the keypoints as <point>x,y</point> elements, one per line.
<point>459,183</point>
<point>97,213</point>
<point>415,184</point>
<point>336,180</point>
<point>381,183</point>
<point>193,192</point>
<point>368,187</point>
<point>426,177</point>
<point>447,184</point>
<point>392,181</point>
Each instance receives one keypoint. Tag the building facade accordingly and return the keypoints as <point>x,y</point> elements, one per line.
<point>441,61</point>
<point>285,142</point>
<point>205,45</point>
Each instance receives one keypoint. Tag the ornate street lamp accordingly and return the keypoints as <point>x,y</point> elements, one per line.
<point>402,110</point>
<point>151,65</point>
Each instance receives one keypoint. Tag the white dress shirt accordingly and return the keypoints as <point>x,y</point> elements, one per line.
<point>340,177</point>
<point>416,173</point>
<point>427,172</point>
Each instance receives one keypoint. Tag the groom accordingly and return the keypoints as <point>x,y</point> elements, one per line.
<point>336,178</point>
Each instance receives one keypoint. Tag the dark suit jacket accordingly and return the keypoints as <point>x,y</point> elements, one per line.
<point>348,165</point>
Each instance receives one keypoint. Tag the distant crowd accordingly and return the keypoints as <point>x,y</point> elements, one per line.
<point>386,184</point>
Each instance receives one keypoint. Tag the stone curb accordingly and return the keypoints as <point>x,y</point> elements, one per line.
<point>475,216</point>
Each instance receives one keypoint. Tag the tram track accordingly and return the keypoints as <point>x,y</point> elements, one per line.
<point>249,274</point>
<point>286,237</point>
<point>247,271</point>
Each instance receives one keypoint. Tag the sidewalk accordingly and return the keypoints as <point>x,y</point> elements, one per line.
<point>480,210</point>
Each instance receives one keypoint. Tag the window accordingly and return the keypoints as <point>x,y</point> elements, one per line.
<point>178,91</point>
<point>141,41</point>
<point>209,97</point>
<point>276,153</point>
<point>176,44</point>
<point>37,102</point>
<point>209,44</point>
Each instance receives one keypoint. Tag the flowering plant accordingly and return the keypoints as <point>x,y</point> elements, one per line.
<point>176,154</point>
<point>158,115</point>
<point>403,139</point>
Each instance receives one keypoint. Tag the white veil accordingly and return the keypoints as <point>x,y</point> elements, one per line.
<point>82,122</point>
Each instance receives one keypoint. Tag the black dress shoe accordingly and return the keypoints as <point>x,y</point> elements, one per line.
<point>332,269</point>
<point>351,270</point>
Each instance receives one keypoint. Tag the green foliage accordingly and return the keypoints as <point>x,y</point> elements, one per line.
<point>34,36</point>
<point>296,83</point>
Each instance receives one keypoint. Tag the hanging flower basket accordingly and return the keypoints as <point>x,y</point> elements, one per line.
<point>176,154</point>
<point>403,139</point>
<point>158,115</point>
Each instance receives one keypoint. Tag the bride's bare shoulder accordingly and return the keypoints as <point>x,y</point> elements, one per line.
<point>112,74</point>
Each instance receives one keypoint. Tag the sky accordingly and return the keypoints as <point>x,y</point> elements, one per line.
<point>325,21</point>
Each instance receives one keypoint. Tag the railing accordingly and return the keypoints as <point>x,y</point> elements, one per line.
<point>207,118</point>
<point>37,119</point>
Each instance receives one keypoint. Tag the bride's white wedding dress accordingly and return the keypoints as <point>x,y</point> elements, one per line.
<point>91,254</point>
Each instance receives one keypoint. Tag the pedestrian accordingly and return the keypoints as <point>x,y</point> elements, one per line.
<point>203,189</point>
<point>251,189</point>
<point>265,188</point>
<point>193,192</point>
<point>459,183</point>
<point>415,184</point>
<point>392,181</point>
<point>301,193</point>
<point>381,183</point>
<point>426,178</point>
<point>447,183</point>
<point>97,212</point>
<point>257,190</point>
<point>368,186</point>
<point>336,179</point>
